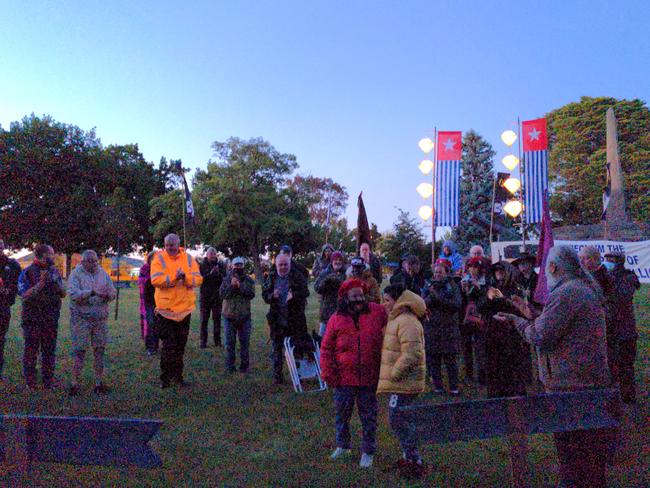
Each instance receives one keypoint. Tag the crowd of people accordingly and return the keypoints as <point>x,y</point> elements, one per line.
<point>373,341</point>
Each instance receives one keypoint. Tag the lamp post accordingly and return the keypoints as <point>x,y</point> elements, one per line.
<point>427,190</point>
<point>514,207</point>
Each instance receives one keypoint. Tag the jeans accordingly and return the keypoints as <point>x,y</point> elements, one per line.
<point>404,425</point>
<point>5,318</point>
<point>151,341</point>
<point>40,337</point>
<point>174,339</point>
<point>211,307</point>
<point>366,399</point>
<point>435,370</point>
<point>232,329</point>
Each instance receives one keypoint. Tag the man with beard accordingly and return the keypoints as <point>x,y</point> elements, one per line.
<point>359,269</point>
<point>237,291</point>
<point>570,335</point>
<point>285,290</point>
<point>350,362</point>
<point>327,286</point>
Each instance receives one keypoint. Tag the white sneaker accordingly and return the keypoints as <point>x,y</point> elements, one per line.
<point>339,451</point>
<point>366,460</point>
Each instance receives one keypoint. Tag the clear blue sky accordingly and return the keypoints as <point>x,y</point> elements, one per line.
<point>349,87</point>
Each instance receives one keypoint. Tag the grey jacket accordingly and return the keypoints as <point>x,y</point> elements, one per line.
<point>81,284</point>
<point>570,336</point>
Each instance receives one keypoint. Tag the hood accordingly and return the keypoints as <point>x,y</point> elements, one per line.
<point>451,245</point>
<point>409,302</point>
<point>325,248</point>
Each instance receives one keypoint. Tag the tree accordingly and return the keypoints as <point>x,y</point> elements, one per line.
<point>316,193</point>
<point>476,186</point>
<point>244,205</point>
<point>578,153</point>
<point>405,238</point>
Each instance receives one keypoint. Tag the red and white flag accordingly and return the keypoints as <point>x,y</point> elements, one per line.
<point>535,142</point>
<point>447,178</point>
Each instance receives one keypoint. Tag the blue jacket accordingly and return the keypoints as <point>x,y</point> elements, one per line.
<point>454,258</point>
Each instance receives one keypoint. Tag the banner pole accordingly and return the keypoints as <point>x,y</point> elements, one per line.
<point>433,196</point>
<point>523,187</point>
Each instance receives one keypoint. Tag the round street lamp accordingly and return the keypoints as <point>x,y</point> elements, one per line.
<point>426,145</point>
<point>508,137</point>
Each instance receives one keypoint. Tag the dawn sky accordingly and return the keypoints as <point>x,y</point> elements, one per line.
<point>349,87</point>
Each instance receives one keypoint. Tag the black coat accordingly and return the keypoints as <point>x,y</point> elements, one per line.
<point>624,283</point>
<point>9,273</point>
<point>327,285</point>
<point>213,274</point>
<point>289,321</point>
<point>441,331</point>
<point>412,283</point>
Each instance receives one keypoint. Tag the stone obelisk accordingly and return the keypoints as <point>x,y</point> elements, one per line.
<point>617,220</point>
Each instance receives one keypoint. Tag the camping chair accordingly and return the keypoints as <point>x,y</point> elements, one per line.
<point>304,369</point>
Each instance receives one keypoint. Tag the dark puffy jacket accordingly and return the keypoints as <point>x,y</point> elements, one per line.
<point>441,331</point>
<point>289,321</point>
<point>624,285</point>
<point>351,351</point>
<point>9,273</point>
<point>327,285</point>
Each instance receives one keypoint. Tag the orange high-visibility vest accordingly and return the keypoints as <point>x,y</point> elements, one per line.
<point>174,300</point>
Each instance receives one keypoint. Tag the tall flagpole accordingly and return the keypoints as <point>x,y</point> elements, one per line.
<point>433,196</point>
<point>184,205</point>
<point>523,186</point>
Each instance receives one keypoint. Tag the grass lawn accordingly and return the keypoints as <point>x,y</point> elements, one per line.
<point>243,431</point>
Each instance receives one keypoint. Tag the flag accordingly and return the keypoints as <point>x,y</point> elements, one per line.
<point>544,246</point>
<point>363,229</point>
<point>447,179</point>
<point>535,142</point>
<point>189,207</point>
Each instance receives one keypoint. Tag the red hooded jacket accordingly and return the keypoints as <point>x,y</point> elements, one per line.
<point>350,354</point>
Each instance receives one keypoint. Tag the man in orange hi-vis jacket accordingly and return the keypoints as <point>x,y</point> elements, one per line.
<point>174,274</point>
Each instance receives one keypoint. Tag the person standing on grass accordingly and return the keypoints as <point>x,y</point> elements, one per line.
<point>474,289</point>
<point>174,275</point>
<point>237,291</point>
<point>147,307</point>
<point>442,334</point>
<point>286,291</point>
<point>212,272</point>
<point>91,289</point>
<point>9,273</point>
<point>327,286</point>
<point>570,335</point>
<point>41,288</point>
<point>403,370</point>
<point>625,283</point>
<point>350,361</point>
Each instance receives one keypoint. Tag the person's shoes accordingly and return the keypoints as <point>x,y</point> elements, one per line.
<point>410,470</point>
<point>74,390</point>
<point>203,346</point>
<point>366,460</point>
<point>152,352</point>
<point>278,380</point>
<point>439,391</point>
<point>184,384</point>
<point>101,389</point>
<point>218,344</point>
<point>230,370</point>
<point>165,384</point>
<point>454,392</point>
<point>339,452</point>
<point>243,370</point>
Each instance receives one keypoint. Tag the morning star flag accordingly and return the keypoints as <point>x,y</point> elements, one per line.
<point>189,206</point>
<point>535,182</point>
<point>447,179</point>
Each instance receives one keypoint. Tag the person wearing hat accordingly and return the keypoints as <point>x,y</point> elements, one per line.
<point>624,284</point>
<point>506,352</point>
<point>350,361</point>
<point>360,270</point>
<point>474,289</point>
<point>286,249</point>
<point>237,290</point>
<point>412,278</point>
<point>327,286</point>
<point>527,279</point>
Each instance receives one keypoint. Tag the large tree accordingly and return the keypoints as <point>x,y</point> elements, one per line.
<point>578,153</point>
<point>476,185</point>
<point>244,205</point>
<point>319,194</point>
<point>405,238</point>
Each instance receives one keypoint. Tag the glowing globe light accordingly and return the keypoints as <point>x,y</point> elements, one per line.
<point>513,208</point>
<point>426,166</point>
<point>426,145</point>
<point>425,212</point>
<point>508,137</point>
<point>425,190</point>
<point>512,184</point>
<point>510,161</point>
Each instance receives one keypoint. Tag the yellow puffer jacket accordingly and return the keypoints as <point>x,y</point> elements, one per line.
<point>174,300</point>
<point>403,366</point>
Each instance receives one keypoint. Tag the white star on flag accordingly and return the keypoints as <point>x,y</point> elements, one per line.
<point>534,134</point>
<point>449,145</point>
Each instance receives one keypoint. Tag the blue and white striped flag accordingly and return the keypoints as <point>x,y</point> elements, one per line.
<point>535,142</point>
<point>447,179</point>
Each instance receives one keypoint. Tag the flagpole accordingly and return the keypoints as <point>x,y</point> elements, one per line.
<point>494,189</point>
<point>184,205</point>
<point>433,196</point>
<point>523,186</point>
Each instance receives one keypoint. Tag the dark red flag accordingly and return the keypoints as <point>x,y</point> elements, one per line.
<point>363,229</point>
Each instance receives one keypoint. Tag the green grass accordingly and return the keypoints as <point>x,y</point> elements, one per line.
<point>243,431</point>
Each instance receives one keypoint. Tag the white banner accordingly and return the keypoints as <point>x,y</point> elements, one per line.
<point>637,254</point>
